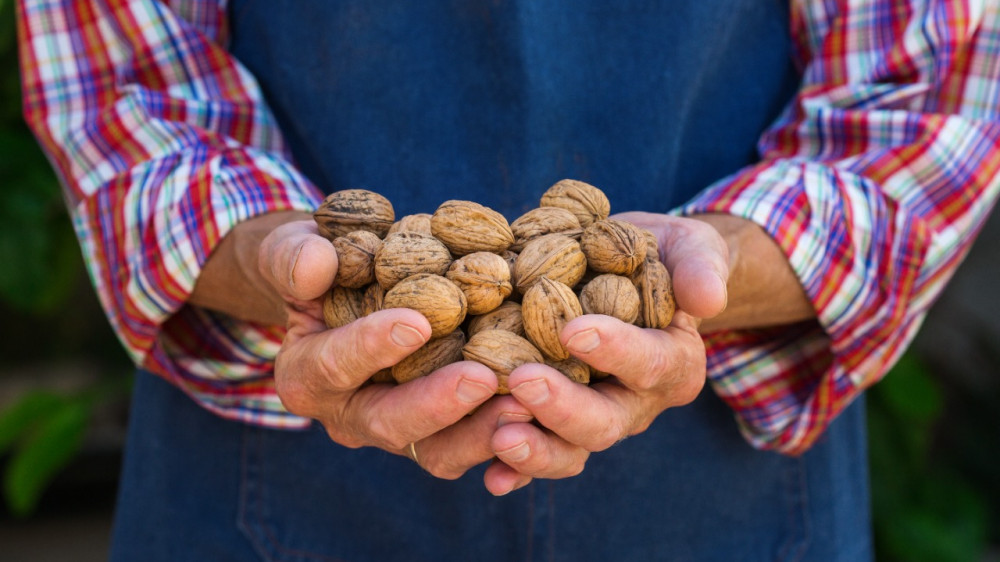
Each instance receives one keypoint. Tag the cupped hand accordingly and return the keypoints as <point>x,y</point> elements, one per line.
<point>322,373</point>
<point>653,369</point>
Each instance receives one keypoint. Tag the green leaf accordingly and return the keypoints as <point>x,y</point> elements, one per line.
<point>43,455</point>
<point>20,417</point>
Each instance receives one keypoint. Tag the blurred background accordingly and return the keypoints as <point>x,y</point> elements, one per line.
<point>64,384</point>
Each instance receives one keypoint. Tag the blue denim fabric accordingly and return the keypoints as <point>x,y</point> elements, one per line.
<point>196,487</point>
<point>494,101</point>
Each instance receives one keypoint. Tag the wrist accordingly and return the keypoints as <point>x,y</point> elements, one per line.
<point>763,288</point>
<point>230,281</point>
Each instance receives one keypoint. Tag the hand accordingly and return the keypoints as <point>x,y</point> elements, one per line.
<point>654,369</point>
<point>321,373</point>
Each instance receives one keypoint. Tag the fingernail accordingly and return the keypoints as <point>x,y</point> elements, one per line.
<point>532,392</point>
<point>469,391</point>
<point>517,453</point>
<point>406,336</point>
<point>510,417</point>
<point>584,342</point>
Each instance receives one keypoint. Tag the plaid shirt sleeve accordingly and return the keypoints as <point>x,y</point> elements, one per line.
<point>162,143</point>
<point>874,182</point>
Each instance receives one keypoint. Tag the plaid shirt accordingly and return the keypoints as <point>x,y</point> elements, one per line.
<point>873,181</point>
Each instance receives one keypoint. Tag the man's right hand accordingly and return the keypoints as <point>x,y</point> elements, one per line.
<point>321,373</point>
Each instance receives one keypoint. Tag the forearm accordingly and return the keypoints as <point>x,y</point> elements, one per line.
<point>763,290</point>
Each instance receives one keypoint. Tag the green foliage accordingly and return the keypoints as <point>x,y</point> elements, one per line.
<point>43,432</point>
<point>923,509</point>
<point>37,244</point>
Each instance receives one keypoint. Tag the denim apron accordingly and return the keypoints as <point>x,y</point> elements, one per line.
<point>494,101</point>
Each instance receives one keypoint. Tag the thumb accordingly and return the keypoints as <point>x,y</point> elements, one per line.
<point>297,261</point>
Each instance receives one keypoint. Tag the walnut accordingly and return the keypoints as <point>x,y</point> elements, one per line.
<point>574,369</point>
<point>371,301</point>
<point>501,351</point>
<point>434,296</point>
<point>484,278</point>
<point>353,209</point>
<point>419,223</point>
<point>541,221</point>
<point>341,306</point>
<point>407,253</point>
<point>548,305</point>
<point>507,316</point>
<point>587,202</point>
<point>656,295</point>
<point>356,258</point>
<point>611,295</point>
<point>555,256</point>
<point>432,356</point>
<point>466,227</point>
<point>613,246</point>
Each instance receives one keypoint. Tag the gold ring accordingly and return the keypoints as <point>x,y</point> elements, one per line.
<point>413,452</point>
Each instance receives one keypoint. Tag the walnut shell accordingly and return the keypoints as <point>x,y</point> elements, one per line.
<point>467,227</point>
<point>574,369</point>
<point>484,278</point>
<point>371,301</point>
<point>555,256</point>
<point>507,316</point>
<point>547,307</point>
<point>501,351</point>
<point>613,246</point>
<point>656,295</point>
<point>356,258</point>
<point>382,376</point>
<point>408,253</point>
<point>541,221</point>
<point>354,209</point>
<point>652,245</point>
<point>430,357</point>
<point>587,202</point>
<point>341,306</point>
<point>434,296</point>
<point>611,295</point>
<point>419,223</point>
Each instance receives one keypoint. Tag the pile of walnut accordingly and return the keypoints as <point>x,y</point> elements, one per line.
<point>493,292</point>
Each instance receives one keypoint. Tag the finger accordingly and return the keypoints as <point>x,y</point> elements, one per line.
<point>297,261</point>
<point>696,256</point>
<point>593,418</point>
<point>501,479</point>
<point>642,359</point>
<point>452,451</point>
<point>394,416</point>
<point>312,365</point>
<point>535,452</point>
